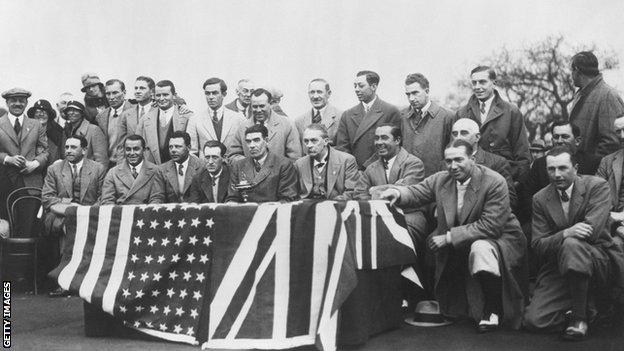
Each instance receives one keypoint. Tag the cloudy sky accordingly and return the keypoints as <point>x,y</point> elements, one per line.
<point>47,45</point>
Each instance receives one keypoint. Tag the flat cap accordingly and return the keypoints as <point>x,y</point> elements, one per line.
<point>75,105</point>
<point>16,92</point>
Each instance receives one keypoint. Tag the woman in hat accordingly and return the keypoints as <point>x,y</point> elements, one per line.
<point>43,112</point>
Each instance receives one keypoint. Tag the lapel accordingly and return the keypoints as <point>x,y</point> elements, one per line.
<point>495,111</point>
<point>104,120</point>
<point>145,175</point>
<point>177,120</point>
<point>5,124</point>
<point>448,197</point>
<point>369,120</point>
<point>616,166</point>
<point>265,170</point>
<point>333,168</point>
<point>553,204</point>
<point>83,128</point>
<point>396,166</point>
<point>28,125</point>
<point>470,196</point>
<point>329,116</point>
<point>576,200</point>
<point>224,183</point>
<point>151,133</point>
<point>306,173</point>
<point>228,122</point>
<point>272,125</point>
<point>125,176</point>
<point>172,175</point>
<point>194,167</point>
<point>85,178</point>
<point>474,109</point>
<point>209,127</point>
<point>67,178</point>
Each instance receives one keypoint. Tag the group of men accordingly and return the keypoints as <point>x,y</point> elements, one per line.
<point>462,178</point>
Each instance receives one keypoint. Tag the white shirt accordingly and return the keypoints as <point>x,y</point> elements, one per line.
<point>118,110</point>
<point>368,106</point>
<point>323,161</point>
<point>219,112</point>
<point>181,177</point>
<point>566,205</point>
<point>165,116</point>
<point>78,165</point>
<point>390,163</point>
<point>137,167</point>
<point>488,104</point>
<point>145,108</point>
<point>215,187</point>
<point>12,119</point>
<point>425,108</point>
<point>321,111</point>
<point>261,161</point>
<point>461,191</point>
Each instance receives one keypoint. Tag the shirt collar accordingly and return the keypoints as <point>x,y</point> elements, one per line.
<point>216,176</point>
<point>370,103</point>
<point>137,167</point>
<point>219,112</point>
<point>321,110</point>
<point>391,162</point>
<point>118,109</point>
<point>568,191</point>
<point>240,106</point>
<point>488,103</point>
<point>263,159</point>
<point>324,160</point>
<point>12,118</point>
<point>78,165</point>
<point>465,183</point>
<point>184,164</point>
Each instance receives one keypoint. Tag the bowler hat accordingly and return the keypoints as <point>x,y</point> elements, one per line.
<point>16,92</point>
<point>427,314</point>
<point>41,105</point>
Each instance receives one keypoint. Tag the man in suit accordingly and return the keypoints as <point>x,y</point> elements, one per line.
<point>74,181</point>
<point>356,130</point>
<point>322,112</point>
<point>324,173</point>
<point>426,126</point>
<point>501,124</point>
<point>240,105</point>
<point>109,119</point>
<point>175,176</point>
<point>262,176</point>
<point>479,248</point>
<point>595,106</point>
<point>144,102</point>
<point>23,146</point>
<point>216,122</point>
<point>283,137</point>
<point>131,182</point>
<point>611,170</point>
<point>578,258</point>
<point>159,123</point>
<point>211,185</point>
<point>97,149</point>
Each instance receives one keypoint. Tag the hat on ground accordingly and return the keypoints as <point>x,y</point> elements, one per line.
<point>427,314</point>
<point>41,105</point>
<point>16,92</point>
<point>89,80</point>
<point>538,145</point>
<point>75,105</point>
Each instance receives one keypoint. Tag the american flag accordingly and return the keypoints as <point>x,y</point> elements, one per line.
<point>265,276</point>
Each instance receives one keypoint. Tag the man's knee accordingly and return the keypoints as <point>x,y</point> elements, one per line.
<point>483,257</point>
<point>575,255</point>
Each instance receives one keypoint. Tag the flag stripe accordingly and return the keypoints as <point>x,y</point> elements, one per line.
<point>69,271</point>
<point>398,232</point>
<point>282,271</point>
<point>373,237</point>
<point>108,258</point>
<point>97,258</point>
<point>353,209</point>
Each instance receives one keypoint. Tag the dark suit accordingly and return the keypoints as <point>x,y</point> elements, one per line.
<point>356,131</point>
<point>167,180</point>
<point>597,257</point>
<point>276,181</point>
<point>201,187</point>
<point>120,188</point>
<point>342,174</point>
<point>538,177</point>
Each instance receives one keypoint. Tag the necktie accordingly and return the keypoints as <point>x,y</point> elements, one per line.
<point>142,111</point>
<point>134,172</point>
<point>214,116</point>
<point>482,108</point>
<point>317,117</point>
<point>180,169</point>
<point>257,166</point>
<point>213,180</point>
<point>74,171</point>
<point>366,109</point>
<point>384,162</point>
<point>17,127</point>
<point>564,196</point>
<point>320,166</point>
<point>115,114</point>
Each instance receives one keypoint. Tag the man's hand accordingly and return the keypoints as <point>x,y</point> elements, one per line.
<point>436,242</point>
<point>183,109</point>
<point>18,161</point>
<point>391,195</point>
<point>580,231</point>
<point>30,166</point>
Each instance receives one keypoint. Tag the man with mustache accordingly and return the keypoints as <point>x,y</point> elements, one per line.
<point>244,89</point>
<point>322,111</point>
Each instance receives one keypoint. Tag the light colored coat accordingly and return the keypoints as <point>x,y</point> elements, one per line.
<point>283,137</point>
<point>330,119</point>
<point>120,188</point>
<point>201,130</point>
<point>148,129</point>
<point>102,120</point>
<point>342,174</point>
<point>167,180</point>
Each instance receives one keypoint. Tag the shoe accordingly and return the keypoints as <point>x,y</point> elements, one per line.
<point>488,324</point>
<point>576,331</point>
<point>59,292</point>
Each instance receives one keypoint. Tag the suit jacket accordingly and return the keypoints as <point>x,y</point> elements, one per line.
<point>201,129</point>
<point>97,148</point>
<point>610,169</point>
<point>538,179</point>
<point>283,137</point>
<point>342,174</point>
<point>500,165</point>
<point>167,180</point>
<point>201,187</point>
<point>485,215</point>
<point>428,140</point>
<point>102,120</point>
<point>329,118</point>
<point>32,144</point>
<point>148,129</point>
<point>234,107</point>
<point>276,181</point>
<point>129,122</point>
<point>503,132</point>
<point>595,111</point>
<point>356,131</point>
<point>120,188</point>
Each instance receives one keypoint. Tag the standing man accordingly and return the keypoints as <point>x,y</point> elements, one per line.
<point>144,96</point>
<point>356,130</point>
<point>262,176</point>
<point>175,176</point>
<point>479,248</point>
<point>97,148</point>
<point>94,99</point>
<point>595,106</point>
<point>283,137</point>
<point>132,181</point>
<point>321,112</point>
<point>571,239</point>
<point>241,104</point>
<point>325,173</point>
<point>158,124</point>
<point>211,185</point>
<point>501,124</point>
<point>611,169</point>
<point>109,119</point>
<point>216,122</point>
<point>425,125</point>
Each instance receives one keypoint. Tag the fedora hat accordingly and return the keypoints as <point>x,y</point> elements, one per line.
<point>427,314</point>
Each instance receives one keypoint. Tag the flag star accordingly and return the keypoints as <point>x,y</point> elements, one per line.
<point>151,242</point>
<point>195,222</point>
<point>178,240</point>
<point>140,223</point>
<point>207,241</point>
<point>131,275</point>
<point>190,331</point>
<point>200,277</point>
<point>157,277</point>
<point>183,293</point>
<point>203,258</point>
<point>177,329</point>
<point>175,258</point>
<point>137,324</point>
<point>209,223</point>
<point>167,224</point>
<point>153,309</point>
<point>148,259</point>
<point>193,240</point>
<point>170,207</point>
<point>187,276</point>
<point>197,295</point>
<point>137,240</point>
<point>144,276</point>
<point>138,308</point>
<point>139,294</point>
<point>179,311</point>
<point>173,275</point>
<point>181,223</point>
<point>170,292</point>
<point>154,224</point>
<point>163,327</point>
<point>149,325</point>
<point>123,309</point>
<point>166,310</point>
<point>126,293</point>
<point>161,258</point>
<point>190,257</point>
<point>164,242</point>
<point>194,313</point>
<point>134,258</point>
<point>155,293</point>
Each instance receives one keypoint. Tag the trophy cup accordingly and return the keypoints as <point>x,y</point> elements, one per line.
<point>243,187</point>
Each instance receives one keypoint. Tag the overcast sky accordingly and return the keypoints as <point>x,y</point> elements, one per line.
<point>49,44</point>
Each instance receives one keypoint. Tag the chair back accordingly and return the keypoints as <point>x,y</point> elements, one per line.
<point>23,204</point>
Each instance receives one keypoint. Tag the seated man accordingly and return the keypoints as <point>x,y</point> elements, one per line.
<point>324,173</point>
<point>611,169</point>
<point>211,184</point>
<point>263,176</point>
<point>174,177</point>
<point>76,180</point>
<point>572,241</point>
<point>131,182</point>
<point>479,247</point>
